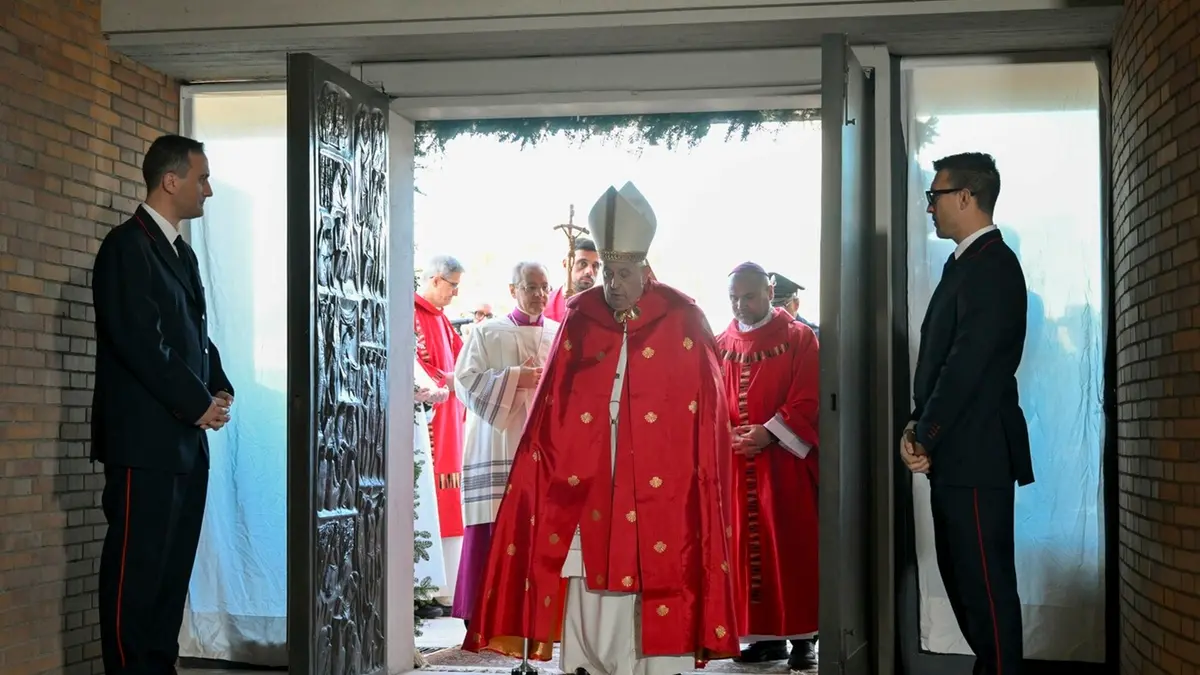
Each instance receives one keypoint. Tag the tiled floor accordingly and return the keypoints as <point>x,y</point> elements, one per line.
<point>445,632</point>
<point>435,633</point>
<point>442,634</point>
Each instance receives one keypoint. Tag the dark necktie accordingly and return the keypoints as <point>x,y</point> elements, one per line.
<point>188,257</point>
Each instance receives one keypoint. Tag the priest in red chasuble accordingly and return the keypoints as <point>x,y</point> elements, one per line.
<point>438,345</point>
<point>771,371</point>
<point>613,536</point>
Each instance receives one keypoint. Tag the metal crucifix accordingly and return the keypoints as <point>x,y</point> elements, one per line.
<point>573,232</point>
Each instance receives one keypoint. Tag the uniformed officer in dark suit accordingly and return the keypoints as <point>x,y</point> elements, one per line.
<point>967,432</point>
<point>159,389</point>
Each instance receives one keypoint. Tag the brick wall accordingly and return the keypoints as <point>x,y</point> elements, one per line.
<point>1156,196</point>
<point>74,122</point>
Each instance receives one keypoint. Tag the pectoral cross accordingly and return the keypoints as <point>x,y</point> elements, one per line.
<point>573,232</point>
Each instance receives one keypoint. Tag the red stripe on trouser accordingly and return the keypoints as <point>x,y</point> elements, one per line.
<point>987,584</point>
<point>124,552</point>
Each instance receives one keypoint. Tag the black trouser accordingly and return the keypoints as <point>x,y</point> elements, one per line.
<point>973,532</point>
<point>154,520</point>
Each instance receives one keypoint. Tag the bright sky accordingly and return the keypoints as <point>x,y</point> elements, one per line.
<point>492,204</point>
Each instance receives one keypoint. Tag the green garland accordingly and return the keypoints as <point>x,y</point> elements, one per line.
<point>670,130</point>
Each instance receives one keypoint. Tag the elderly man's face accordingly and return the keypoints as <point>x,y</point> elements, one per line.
<point>532,292</point>
<point>441,290</point>
<point>624,283</point>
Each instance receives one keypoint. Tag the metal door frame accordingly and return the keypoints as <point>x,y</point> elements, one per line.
<point>911,659</point>
<point>847,368</point>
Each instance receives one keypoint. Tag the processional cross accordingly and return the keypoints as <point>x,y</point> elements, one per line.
<point>572,231</point>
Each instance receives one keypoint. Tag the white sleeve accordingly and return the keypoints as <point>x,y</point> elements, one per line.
<point>787,438</point>
<point>486,391</point>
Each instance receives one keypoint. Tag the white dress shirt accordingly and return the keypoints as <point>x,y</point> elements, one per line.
<point>966,243</point>
<point>168,230</point>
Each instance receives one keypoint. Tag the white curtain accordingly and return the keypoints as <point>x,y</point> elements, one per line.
<point>432,565</point>
<point>1041,123</point>
<point>237,601</point>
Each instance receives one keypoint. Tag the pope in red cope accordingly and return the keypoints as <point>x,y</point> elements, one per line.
<point>772,369</point>
<point>617,502</point>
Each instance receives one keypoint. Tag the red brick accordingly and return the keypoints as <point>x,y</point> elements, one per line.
<point>61,188</point>
<point>1156,201</point>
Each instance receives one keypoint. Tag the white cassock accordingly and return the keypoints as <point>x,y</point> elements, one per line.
<point>427,516</point>
<point>602,631</point>
<point>486,375</point>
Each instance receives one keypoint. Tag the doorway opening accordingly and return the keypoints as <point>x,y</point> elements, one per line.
<point>1019,112</point>
<point>721,195</point>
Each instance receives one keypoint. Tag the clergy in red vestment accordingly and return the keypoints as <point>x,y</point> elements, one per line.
<point>583,276</point>
<point>617,503</point>
<point>438,345</point>
<point>771,375</point>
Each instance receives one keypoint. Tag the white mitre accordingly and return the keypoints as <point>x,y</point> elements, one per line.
<point>622,225</point>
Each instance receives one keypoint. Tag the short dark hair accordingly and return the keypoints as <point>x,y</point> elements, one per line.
<point>168,154</point>
<point>975,172</point>
<point>585,244</point>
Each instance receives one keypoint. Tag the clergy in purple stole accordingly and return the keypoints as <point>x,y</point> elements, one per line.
<point>497,375</point>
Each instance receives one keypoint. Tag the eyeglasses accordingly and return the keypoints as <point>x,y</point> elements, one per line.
<point>453,284</point>
<point>932,195</point>
<point>544,288</point>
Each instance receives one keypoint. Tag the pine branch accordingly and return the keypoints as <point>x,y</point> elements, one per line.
<point>423,589</point>
<point>670,130</point>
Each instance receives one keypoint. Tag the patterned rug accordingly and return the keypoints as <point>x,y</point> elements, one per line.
<point>457,660</point>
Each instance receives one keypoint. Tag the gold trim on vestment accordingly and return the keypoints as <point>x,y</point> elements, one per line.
<point>514,647</point>
<point>607,255</point>
<point>745,358</point>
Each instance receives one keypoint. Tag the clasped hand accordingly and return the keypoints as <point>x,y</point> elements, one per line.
<point>529,376</point>
<point>911,452</point>
<point>750,439</point>
<point>217,414</point>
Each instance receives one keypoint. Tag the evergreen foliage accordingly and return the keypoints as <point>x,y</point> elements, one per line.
<point>670,130</point>
<point>423,589</point>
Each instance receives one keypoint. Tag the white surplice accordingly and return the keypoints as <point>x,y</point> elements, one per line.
<point>486,375</point>
<point>427,520</point>
<point>427,517</point>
